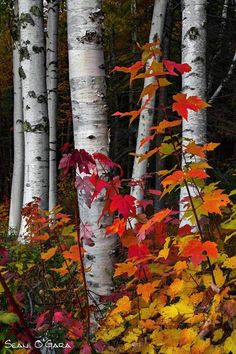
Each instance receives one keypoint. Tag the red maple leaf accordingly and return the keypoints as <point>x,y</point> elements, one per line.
<point>86,234</point>
<point>124,204</point>
<point>84,161</point>
<point>171,66</point>
<point>183,103</point>
<point>198,251</point>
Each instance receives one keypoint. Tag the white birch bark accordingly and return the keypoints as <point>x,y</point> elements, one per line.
<point>146,117</point>
<point>52,78</point>
<point>33,75</point>
<point>194,82</point>
<point>88,90</point>
<point>18,166</point>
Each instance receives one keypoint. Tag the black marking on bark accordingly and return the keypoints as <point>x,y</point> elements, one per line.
<point>91,137</point>
<point>192,33</point>
<point>96,15</point>
<point>38,158</point>
<point>21,73</point>
<point>42,99</point>
<point>37,49</point>
<point>32,94</point>
<point>24,53</point>
<point>90,37</point>
<point>201,59</point>
<point>102,66</point>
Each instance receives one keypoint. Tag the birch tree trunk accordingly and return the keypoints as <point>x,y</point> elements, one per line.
<point>18,166</point>
<point>146,117</point>
<point>52,77</point>
<point>88,91</point>
<point>194,82</point>
<point>34,94</point>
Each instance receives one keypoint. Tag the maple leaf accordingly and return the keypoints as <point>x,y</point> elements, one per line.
<point>104,160</point>
<point>65,147</point>
<point>83,160</point>
<point>196,173</point>
<point>72,254</point>
<point>133,114</point>
<point>69,347</point>
<point>183,103</point>
<point>139,251</point>
<point>176,177</point>
<point>132,70</point>
<point>148,154</point>
<point>122,305</point>
<point>85,349</point>
<point>158,217</point>
<point>65,163</point>
<point>41,319</point>
<point>147,139</point>
<point>118,227</point>
<point>165,124</point>
<point>75,329</point>
<point>98,183</point>
<point>198,251</point>
<point>86,189</point>
<point>86,234</point>
<point>194,149</point>
<point>214,200</point>
<point>49,254</point>
<point>171,66</point>
<point>124,204</point>
<point>146,290</point>
<point>125,268</point>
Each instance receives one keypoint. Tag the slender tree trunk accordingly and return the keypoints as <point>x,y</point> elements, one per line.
<point>18,166</point>
<point>88,91</point>
<point>34,94</point>
<point>146,117</point>
<point>194,82</point>
<point>52,78</point>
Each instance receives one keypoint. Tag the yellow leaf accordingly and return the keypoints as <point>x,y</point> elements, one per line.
<point>187,336</point>
<point>113,321</point>
<point>132,335</point>
<point>219,277</point>
<point>230,343</point>
<point>122,305</point>
<point>49,254</point>
<point>109,334</point>
<point>175,287</point>
<point>200,346</point>
<point>218,334</point>
<point>169,312</point>
<point>180,266</point>
<point>230,263</point>
<point>148,349</point>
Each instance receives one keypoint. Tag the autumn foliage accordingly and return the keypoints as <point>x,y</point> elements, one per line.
<point>175,286</point>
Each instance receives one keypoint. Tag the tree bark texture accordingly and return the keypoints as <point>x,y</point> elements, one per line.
<point>34,94</point>
<point>193,82</point>
<point>18,164</point>
<point>52,79</point>
<point>147,115</point>
<point>88,93</point>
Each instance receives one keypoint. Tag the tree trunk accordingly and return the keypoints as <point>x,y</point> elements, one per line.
<point>18,166</point>
<point>33,75</point>
<point>146,117</point>
<point>194,82</point>
<point>88,91</point>
<point>52,77</point>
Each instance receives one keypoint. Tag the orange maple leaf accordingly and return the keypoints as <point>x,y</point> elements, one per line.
<point>49,254</point>
<point>213,201</point>
<point>183,103</point>
<point>118,227</point>
<point>194,149</point>
<point>122,305</point>
<point>158,217</point>
<point>196,173</point>
<point>160,128</point>
<point>125,268</point>
<point>146,290</point>
<point>175,177</point>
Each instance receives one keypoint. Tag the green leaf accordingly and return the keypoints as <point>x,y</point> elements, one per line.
<point>8,317</point>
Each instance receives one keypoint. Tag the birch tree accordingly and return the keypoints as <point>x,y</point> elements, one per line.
<point>146,117</point>
<point>88,92</point>
<point>52,77</point>
<point>34,95</point>
<point>18,164</point>
<point>193,82</point>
